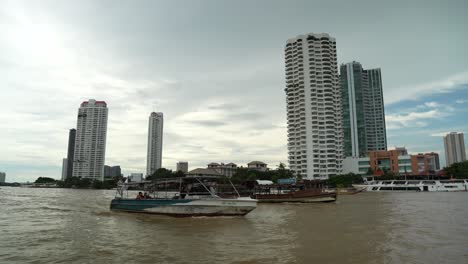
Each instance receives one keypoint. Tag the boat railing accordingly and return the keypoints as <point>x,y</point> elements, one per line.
<point>178,186</point>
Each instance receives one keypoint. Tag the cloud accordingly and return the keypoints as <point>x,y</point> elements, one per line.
<point>208,123</point>
<point>432,104</point>
<point>413,119</point>
<point>440,134</point>
<point>461,101</point>
<point>414,92</point>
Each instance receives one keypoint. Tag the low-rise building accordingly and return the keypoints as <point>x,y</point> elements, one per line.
<point>425,164</point>
<point>396,161</point>
<point>356,165</point>
<point>228,169</point>
<point>257,165</point>
<point>135,177</point>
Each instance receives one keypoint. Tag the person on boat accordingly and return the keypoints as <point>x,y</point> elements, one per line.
<point>147,196</point>
<point>140,196</point>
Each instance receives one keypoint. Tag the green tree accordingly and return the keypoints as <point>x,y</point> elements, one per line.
<point>179,174</point>
<point>457,170</point>
<point>160,173</point>
<point>345,180</point>
<point>44,180</point>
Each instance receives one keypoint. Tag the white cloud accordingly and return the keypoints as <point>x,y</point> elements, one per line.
<point>432,104</point>
<point>413,119</point>
<point>440,134</point>
<point>414,92</point>
<point>461,101</point>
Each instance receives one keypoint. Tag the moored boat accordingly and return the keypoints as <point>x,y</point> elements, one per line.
<point>455,185</point>
<point>305,192</point>
<point>195,197</point>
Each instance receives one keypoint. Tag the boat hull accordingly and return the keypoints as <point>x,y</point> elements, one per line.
<point>303,196</point>
<point>186,207</point>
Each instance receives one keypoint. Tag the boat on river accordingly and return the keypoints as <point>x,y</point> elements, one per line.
<point>302,192</point>
<point>181,197</point>
<point>453,185</point>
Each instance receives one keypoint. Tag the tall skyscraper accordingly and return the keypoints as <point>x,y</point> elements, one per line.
<point>315,145</point>
<point>155,139</point>
<point>454,144</point>
<point>90,141</point>
<point>363,110</point>
<point>64,169</point>
<point>112,171</point>
<point>70,152</point>
<point>2,177</point>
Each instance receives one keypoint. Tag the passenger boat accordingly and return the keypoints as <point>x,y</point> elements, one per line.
<point>196,196</point>
<point>304,192</point>
<point>416,185</point>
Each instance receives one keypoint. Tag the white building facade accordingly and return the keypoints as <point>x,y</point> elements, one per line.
<point>135,177</point>
<point>155,141</point>
<point>313,96</point>
<point>90,142</point>
<point>454,144</point>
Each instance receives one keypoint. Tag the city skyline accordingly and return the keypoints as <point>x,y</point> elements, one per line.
<point>223,95</point>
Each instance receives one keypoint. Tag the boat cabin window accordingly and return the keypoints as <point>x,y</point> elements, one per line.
<point>413,182</point>
<point>387,182</point>
<point>429,182</point>
<point>399,182</point>
<point>450,186</point>
<point>454,181</point>
<point>386,188</point>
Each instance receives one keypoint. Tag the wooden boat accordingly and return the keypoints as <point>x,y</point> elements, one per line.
<point>302,192</point>
<point>296,196</point>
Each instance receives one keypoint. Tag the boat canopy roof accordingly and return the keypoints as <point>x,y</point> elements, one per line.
<point>175,179</point>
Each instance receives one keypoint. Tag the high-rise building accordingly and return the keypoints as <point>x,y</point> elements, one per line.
<point>315,145</point>
<point>70,152</point>
<point>155,139</point>
<point>90,141</point>
<point>454,144</point>
<point>2,177</point>
<point>182,166</point>
<point>363,110</point>
<point>112,171</point>
<point>64,169</point>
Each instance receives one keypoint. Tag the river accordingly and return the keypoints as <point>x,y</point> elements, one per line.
<point>76,226</point>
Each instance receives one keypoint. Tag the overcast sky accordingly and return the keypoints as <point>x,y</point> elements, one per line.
<point>216,71</point>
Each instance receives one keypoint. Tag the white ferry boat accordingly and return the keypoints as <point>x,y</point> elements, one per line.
<point>457,185</point>
<point>195,196</point>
